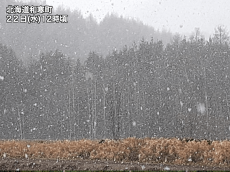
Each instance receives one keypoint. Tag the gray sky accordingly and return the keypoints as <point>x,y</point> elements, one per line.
<point>180,16</point>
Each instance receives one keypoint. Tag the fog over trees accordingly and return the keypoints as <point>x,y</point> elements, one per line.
<point>77,37</point>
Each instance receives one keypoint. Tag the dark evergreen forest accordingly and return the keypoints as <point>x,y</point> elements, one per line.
<point>145,90</point>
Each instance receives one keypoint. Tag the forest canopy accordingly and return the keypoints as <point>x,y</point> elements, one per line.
<point>146,90</point>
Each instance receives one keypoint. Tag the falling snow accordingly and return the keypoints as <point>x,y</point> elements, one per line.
<point>134,123</point>
<point>142,167</point>
<point>166,168</point>
<point>181,103</point>
<point>201,108</point>
<point>145,89</point>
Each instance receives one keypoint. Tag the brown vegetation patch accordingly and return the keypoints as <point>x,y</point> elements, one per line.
<point>148,150</point>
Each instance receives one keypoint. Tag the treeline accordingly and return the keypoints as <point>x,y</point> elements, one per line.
<point>144,90</point>
<point>76,38</point>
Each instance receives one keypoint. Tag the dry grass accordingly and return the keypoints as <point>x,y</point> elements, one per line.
<point>172,151</point>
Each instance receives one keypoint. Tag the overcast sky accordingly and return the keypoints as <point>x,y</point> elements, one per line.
<point>180,16</point>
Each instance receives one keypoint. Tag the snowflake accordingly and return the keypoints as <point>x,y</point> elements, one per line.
<point>2,78</point>
<point>134,123</point>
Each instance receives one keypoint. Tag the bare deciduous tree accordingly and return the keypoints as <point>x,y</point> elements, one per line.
<point>221,35</point>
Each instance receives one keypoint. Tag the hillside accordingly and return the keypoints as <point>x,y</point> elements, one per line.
<point>77,37</point>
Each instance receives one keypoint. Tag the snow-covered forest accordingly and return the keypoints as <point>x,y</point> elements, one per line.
<point>145,90</point>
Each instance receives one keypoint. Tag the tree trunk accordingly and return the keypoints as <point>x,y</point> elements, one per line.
<point>69,109</point>
<point>20,122</point>
<point>95,111</point>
